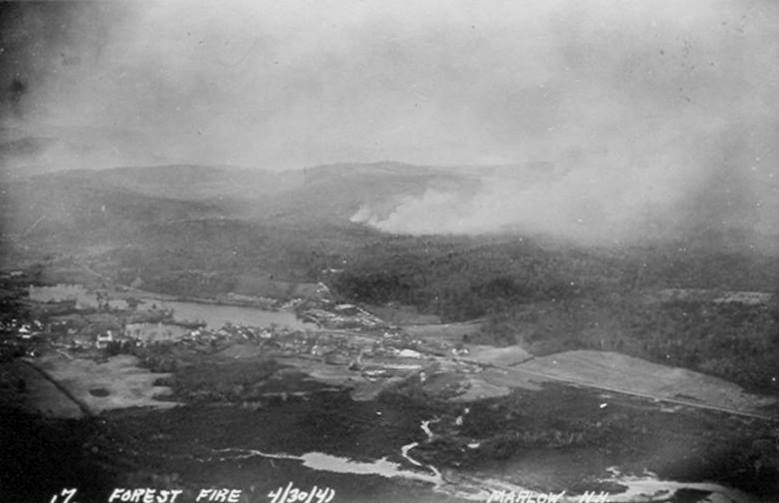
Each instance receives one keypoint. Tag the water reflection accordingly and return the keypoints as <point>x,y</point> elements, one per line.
<point>214,316</point>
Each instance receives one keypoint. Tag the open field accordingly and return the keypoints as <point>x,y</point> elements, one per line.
<point>114,384</point>
<point>632,375</point>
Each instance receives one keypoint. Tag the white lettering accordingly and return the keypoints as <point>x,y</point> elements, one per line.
<point>116,494</point>
<point>70,493</point>
<point>311,494</point>
<point>555,498</point>
<point>593,497</point>
<point>496,496</point>
<point>204,493</point>
<point>279,495</point>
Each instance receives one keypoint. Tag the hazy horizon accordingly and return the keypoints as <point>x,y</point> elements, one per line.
<point>654,114</point>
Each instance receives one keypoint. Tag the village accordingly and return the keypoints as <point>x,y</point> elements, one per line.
<point>342,344</point>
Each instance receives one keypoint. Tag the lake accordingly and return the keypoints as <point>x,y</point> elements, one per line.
<point>217,315</point>
<point>214,315</point>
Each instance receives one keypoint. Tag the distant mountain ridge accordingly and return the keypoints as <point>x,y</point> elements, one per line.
<point>85,200</point>
<point>115,205</point>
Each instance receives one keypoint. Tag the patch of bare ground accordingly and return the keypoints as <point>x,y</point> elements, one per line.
<point>115,383</point>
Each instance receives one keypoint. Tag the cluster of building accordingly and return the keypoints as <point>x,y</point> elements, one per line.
<point>18,337</point>
<point>343,316</point>
<point>24,330</point>
<point>346,334</point>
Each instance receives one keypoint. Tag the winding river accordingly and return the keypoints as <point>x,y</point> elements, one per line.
<point>644,488</point>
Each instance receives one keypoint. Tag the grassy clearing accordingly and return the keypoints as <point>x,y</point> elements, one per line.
<point>736,342</point>
<point>117,383</point>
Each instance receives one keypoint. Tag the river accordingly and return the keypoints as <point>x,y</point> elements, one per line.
<point>372,451</point>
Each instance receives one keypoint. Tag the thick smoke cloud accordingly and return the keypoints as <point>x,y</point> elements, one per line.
<point>653,114</point>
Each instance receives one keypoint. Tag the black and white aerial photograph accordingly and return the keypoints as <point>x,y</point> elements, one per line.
<point>416,251</point>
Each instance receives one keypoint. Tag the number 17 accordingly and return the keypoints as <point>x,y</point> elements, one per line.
<point>68,493</point>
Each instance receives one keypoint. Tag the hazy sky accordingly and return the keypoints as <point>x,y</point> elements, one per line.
<point>672,95</point>
<point>280,84</point>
